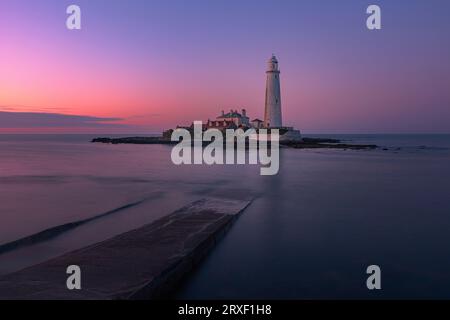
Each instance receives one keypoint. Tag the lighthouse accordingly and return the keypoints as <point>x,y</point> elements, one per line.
<point>272,111</point>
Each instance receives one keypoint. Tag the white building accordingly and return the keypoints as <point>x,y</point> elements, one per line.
<point>272,111</point>
<point>230,120</point>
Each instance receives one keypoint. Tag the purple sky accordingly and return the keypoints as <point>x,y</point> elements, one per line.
<point>148,65</point>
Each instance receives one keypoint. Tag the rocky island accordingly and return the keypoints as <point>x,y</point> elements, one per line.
<point>234,119</point>
<point>304,143</point>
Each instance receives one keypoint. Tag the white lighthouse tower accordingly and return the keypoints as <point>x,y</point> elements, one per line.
<point>272,113</point>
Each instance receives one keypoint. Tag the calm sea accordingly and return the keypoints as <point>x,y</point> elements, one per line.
<point>310,232</point>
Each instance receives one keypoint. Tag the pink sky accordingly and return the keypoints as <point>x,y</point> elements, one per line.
<point>157,70</point>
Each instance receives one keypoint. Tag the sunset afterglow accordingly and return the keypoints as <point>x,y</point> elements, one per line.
<point>151,65</point>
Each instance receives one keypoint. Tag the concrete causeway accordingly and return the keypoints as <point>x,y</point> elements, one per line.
<point>146,263</point>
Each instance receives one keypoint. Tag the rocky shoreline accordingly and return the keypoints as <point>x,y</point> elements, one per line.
<point>316,143</point>
<point>305,143</point>
<point>134,140</point>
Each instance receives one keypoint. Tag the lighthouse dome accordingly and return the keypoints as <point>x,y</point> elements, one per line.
<point>272,64</point>
<point>273,59</point>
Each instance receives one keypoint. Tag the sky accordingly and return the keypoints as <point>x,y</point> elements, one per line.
<point>142,66</point>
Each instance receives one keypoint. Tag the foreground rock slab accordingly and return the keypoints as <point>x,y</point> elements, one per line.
<point>146,263</point>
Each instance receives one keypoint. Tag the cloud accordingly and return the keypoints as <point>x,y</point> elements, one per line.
<point>34,109</point>
<point>9,120</point>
